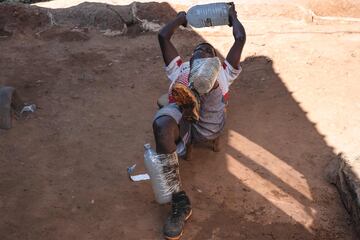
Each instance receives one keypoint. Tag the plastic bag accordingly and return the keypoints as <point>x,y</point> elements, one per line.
<point>203,74</point>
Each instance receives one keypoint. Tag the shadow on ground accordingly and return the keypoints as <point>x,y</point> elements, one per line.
<point>268,181</point>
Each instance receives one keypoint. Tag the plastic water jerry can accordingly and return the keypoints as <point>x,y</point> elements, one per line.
<point>208,15</point>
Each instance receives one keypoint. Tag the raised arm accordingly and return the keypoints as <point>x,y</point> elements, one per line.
<point>168,50</point>
<point>234,54</point>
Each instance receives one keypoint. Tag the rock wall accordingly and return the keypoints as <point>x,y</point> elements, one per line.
<point>114,19</point>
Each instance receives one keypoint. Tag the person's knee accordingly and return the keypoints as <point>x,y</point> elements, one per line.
<point>166,133</point>
<point>156,126</point>
<point>164,126</point>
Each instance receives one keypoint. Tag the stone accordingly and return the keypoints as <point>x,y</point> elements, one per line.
<point>5,107</point>
<point>345,174</point>
<point>9,100</point>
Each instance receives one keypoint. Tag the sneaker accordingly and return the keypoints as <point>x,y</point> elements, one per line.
<point>180,212</point>
<point>187,101</point>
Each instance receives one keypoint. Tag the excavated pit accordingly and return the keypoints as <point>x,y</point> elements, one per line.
<point>95,72</point>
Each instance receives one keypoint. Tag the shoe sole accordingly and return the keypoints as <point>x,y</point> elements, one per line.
<point>183,96</point>
<point>179,236</point>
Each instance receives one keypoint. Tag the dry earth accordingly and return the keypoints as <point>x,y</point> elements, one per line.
<point>63,169</point>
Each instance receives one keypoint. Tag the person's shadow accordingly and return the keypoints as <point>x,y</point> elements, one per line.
<point>268,180</point>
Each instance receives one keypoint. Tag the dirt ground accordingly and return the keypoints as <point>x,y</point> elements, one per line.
<point>293,108</point>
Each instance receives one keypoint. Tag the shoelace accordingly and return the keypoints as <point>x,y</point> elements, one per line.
<point>177,208</point>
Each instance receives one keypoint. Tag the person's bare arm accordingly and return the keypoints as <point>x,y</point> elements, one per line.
<point>168,50</point>
<point>234,54</point>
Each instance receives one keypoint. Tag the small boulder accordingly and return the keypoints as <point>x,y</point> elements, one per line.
<point>345,174</point>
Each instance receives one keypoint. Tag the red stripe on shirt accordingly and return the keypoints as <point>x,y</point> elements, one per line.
<point>171,99</point>
<point>226,96</point>
<point>179,62</point>
<point>224,65</point>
